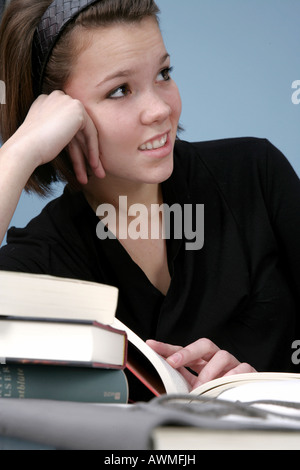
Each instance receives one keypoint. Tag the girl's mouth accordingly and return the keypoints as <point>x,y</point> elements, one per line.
<point>155,143</point>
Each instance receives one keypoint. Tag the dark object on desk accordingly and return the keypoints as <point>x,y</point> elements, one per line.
<point>80,426</point>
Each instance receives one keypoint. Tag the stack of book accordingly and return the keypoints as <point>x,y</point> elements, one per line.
<point>57,340</point>
<point>60,339</point>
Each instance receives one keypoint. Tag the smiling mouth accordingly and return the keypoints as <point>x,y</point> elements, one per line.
<point>155,144</point>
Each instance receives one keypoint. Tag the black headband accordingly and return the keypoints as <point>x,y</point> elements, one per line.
<point>48,31</point>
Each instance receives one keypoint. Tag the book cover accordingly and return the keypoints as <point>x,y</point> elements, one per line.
<point>49,382</point>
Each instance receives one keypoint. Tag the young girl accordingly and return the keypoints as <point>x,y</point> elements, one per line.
<point>90,100</point>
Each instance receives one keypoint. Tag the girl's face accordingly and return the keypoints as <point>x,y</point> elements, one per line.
<point>123,79</point>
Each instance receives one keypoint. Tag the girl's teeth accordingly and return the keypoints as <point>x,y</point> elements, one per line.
<point>156,144</point>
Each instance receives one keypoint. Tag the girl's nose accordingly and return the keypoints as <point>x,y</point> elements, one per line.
<point>154,109</point>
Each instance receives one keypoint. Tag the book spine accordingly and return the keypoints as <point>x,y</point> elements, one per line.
<point>63,383</point>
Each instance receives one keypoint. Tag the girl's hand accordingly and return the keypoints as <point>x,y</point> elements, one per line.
<point>57,121</point>
<point>203,357</point>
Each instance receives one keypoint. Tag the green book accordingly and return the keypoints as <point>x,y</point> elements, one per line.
<point>77,384</point>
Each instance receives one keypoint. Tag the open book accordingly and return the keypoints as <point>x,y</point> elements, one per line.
<point>159,377</point>
<point>35,295</point>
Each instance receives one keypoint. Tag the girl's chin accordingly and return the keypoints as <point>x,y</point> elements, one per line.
<point>159,176</point>
<point>147,175</point>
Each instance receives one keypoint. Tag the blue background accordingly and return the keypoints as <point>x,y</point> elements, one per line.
<point>234,62</point>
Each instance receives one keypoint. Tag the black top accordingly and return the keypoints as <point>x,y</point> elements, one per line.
<point>241,290</point>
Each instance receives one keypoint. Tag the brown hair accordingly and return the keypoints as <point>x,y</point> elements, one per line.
<point>16,35</point>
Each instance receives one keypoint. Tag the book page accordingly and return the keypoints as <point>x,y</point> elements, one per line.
<point>275,390</point>
<point>216,386</point>
<point>278,399</point>
<point>173,381</point>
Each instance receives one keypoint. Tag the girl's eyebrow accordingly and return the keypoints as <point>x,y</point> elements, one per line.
<point>125,73</point>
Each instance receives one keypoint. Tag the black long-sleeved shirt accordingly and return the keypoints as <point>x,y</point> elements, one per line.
<point>241,290</point>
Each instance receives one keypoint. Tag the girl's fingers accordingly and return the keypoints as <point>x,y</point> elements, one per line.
<point>90,143</point>
<point>78,161</point>
<point>163,349</point>
<point>242,368</point>
<point>219,365</point>
<point>203,357</point>
<point>193,354</point>
<point>57,121</point>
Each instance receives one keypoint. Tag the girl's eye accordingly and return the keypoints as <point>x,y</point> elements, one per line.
<point>124,90</point>
<point>166,74</point>
<point>119,92</point>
